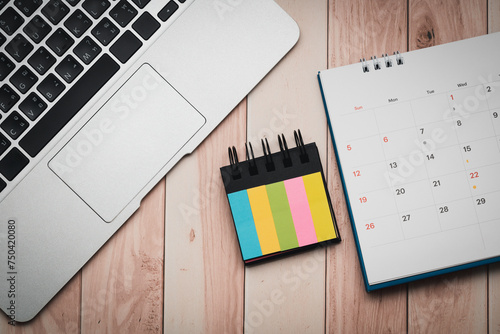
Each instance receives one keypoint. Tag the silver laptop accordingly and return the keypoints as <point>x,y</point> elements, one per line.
<point>99,99</point>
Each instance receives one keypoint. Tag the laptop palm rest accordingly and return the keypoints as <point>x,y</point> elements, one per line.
<point>126,143</point>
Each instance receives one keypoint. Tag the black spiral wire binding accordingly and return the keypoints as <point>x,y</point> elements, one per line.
<point>300,144</point>
<point>377,64</point>
<point>287,159</point>
<point>364,65</point>
<point>387,60</point>
<point>252,166</point>
<point>399,58</point>
<point>267,154</point>
<point>233,161</point>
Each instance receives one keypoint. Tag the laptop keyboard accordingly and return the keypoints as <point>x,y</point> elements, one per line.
<point>55,56</point>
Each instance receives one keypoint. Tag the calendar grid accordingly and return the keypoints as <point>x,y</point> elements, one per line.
<point>420,156</point>
<point>450,144</point>
<point>426,170</point>
<point>385,157</point>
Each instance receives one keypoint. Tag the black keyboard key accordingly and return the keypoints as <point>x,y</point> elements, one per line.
<point>69,68</point>
<point>14,125</point>
<point>10,21</point>
<point>12,164</point>
<point>69,105</point>
<point>60,42</point>
<point>168,10</point>
<point>8,98</point>
<point>55,11</point>
<point>78,23</point>
<point>3,3</point>
<point>2,39</point>
<point>2,185</point>
<point>51,87</point>
<point>23,79</point>
<point>141,3</point>
<point>6,66</point>
<point>4,144</point>
<point>125,47</point>
<point>27,7</point>
<point>32,106</point>
<point>73,2</point>
<point>105,31</point>
<point>123,13</point>
<point>146,25</point>
<point>19,47</point>
<point>95,7</point>
<point>87,50</point>
<point>41,60</point>
<point>37,29</point>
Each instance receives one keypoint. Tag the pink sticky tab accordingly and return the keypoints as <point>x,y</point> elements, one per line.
<point>301,213</point>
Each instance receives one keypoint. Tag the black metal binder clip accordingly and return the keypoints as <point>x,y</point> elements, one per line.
<point>399,58</point>
<point>364,65</point>
<point>267,153</point>
<point>233,161</point>
<point>287,159</point>
<point>252,166</point>
<point>300,144</point>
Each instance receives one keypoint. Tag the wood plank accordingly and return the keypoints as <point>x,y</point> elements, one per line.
<point>494,298</point>
<point>360,29</point>
<point>453,303</point>
<point>203,267</point>
<point>436,22</point>
<point>122,285</point>
<point>494,270</point>
<point>456,302</point>
<point>60,315</point>
<point>493,16</point>
<point>288,295</point>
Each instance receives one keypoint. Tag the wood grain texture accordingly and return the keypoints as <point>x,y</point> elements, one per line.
<point>457,302</point>
<point>453,303</point>
<point>122,285</point>
<point>493,16</point>
<point>494,269</point>
<point>288,295</point>
<point>437,22</point>
<point>203,267</point>
<point>359,29</point>
<point>494,298</point>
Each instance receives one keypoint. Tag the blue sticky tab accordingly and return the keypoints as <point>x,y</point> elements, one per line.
<point>245,225</point>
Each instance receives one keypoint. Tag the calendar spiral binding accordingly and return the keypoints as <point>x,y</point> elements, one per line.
<point>377,63</point>
<point>269,163</point>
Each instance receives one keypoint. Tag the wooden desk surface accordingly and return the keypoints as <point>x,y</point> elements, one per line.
<point>175,266</point>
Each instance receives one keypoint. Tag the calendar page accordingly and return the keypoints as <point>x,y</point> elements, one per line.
<point>417,138</point>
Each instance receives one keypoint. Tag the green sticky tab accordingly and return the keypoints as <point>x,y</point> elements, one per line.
<point>282,215</point>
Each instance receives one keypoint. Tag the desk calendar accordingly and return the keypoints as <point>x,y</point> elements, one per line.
<point>417,140</point>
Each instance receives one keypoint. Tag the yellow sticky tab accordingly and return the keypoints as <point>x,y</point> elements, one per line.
<point>263,218</point>
<point>320,209</point>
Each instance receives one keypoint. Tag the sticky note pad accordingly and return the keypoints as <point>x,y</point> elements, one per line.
<point>282,210</point>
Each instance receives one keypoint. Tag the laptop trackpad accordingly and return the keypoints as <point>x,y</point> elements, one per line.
<point>126,143</point>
